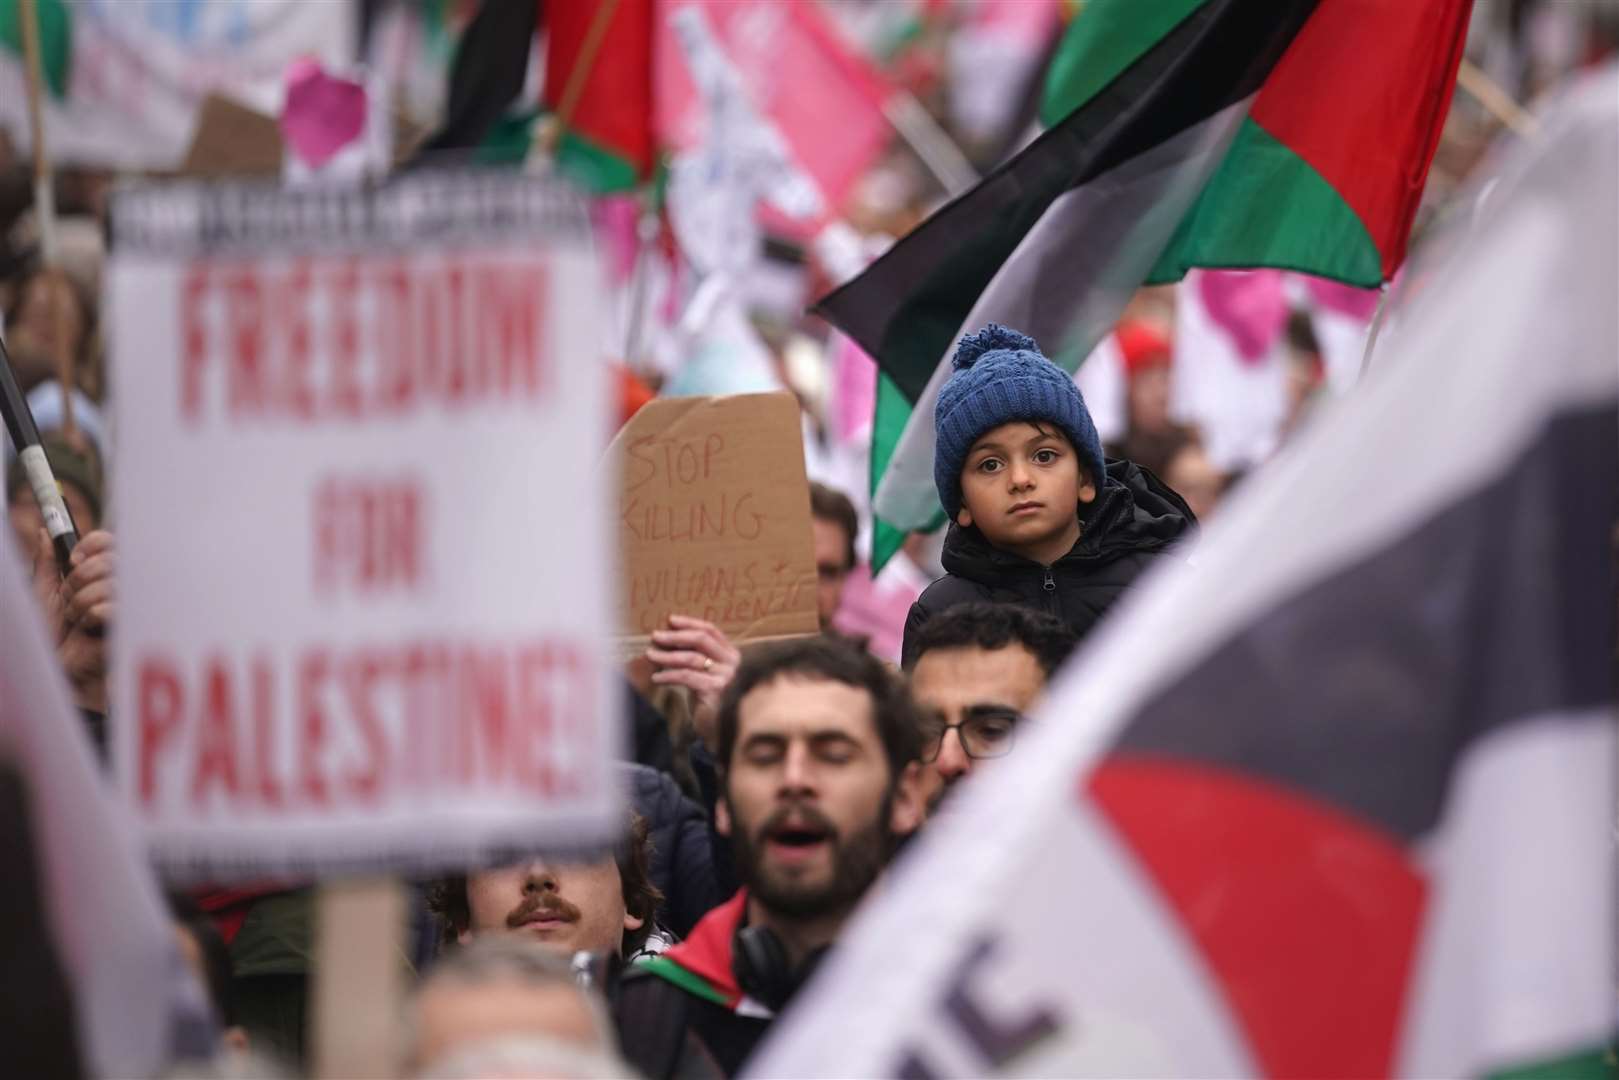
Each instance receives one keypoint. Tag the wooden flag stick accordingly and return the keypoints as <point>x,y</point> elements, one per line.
<point>358,979</point>
<point>45,209</point>
<point>938,151</point>
<point>1496,101</point>
<point>44,192</point>
<point>550,134</point>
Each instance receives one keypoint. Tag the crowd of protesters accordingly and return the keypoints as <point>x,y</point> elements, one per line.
<point>767,794</point>
<point>768,787</point>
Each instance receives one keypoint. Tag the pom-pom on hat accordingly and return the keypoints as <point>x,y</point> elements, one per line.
<point>1001,376</point>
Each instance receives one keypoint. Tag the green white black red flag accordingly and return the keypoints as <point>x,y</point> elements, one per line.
<point>1337,797</point>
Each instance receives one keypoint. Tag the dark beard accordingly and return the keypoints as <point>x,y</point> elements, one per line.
<point>856,862</point>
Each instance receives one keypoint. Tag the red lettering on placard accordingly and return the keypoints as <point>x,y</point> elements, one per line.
<point>194,336</point>
<point>353,339</point>
<point>430,363</point>
<point>297,392</point>
<point>344,286</point>
<point>312,673</point>
<point>459,355</point>
<point>216,753</point>
<point>368,534</point>
<point>532,745</point>
<point>360,677</point>
<point>264,747</point>
<point>396,342</point>
<point>579,713</point>
<point>159,699</point>
<point>332,732</point>
<point>485,716</point>
<point>249,386</point>
<point>514,306</point>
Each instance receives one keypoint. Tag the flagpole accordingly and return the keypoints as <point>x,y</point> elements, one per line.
<point>931,142</point>
<point>45,206</point>
<point>44,193</point>
<point>1375,328</point>
<point>646,234</point>
<point>19,422</point>
<point>574,88</point>
<point>1496,101</point>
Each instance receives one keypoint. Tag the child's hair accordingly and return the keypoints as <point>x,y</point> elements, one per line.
<point>1001,376</point>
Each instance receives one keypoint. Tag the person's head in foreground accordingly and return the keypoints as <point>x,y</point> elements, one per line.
<point>601,905</point>
<point>1016,454</point>
<point>978,671</point>
<point>818,742</point>
<point>504,1006</point>
<point>834,525</point>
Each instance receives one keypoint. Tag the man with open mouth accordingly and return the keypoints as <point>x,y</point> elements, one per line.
<point>818,743</point>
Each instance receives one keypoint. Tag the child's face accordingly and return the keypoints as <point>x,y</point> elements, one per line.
<point>1022,484</point>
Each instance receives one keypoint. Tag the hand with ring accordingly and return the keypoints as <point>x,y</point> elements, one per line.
<point>697,655</point>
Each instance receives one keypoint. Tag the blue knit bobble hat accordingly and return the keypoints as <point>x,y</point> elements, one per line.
<point>1000,376</point>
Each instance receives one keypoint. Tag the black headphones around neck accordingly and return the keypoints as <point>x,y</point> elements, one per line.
<point>759,962</point>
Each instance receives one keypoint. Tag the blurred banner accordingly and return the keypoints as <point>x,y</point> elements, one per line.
<point>368,603</point>
<point>126,81</point>
<point>822,95</point>
<point>92,968</point>
<point>1354,818</point>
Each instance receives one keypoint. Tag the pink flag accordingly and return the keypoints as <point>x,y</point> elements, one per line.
<point>824,98</point>
<point>1250,306</point>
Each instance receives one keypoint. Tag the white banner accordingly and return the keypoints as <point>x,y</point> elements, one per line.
<point>108,926</point>
<point>138,70</point>
<point>364,557</point>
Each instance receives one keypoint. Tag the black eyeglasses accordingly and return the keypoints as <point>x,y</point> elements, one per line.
<point>986,732</point>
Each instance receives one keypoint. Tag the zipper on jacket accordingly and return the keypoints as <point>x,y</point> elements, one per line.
<point>1050,584</point>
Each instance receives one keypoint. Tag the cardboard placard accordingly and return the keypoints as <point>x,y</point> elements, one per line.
<point>232,140</point>
<point>714,517</point>
<point>365,615</point>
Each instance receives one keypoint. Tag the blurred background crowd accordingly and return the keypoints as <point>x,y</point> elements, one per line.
<point>1200,383</point>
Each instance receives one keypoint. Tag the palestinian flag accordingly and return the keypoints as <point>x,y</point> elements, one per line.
<point>1339,800</point>
<point>486,79</point>
<point>55,40</point>
<point>1182,133</point>
<point>598,87</point>
<point>701,965</point>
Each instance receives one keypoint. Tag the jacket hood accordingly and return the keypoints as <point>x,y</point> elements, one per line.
<point>1134,512</point>
<point>706,954</point>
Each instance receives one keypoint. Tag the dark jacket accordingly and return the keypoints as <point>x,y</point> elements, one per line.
<point>648,733</point>
<point>683,864</point>
<point>1136,518</point>
<point>683,1013</point>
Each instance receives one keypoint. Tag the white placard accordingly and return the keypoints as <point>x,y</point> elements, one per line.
<point>363,551</point>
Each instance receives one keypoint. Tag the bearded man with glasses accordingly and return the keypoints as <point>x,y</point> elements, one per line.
<point>977,669</point>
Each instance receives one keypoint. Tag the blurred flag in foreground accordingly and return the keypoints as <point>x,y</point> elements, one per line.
<point>93,978</point>
<point>1181,133</point>
<point>1339,799</point>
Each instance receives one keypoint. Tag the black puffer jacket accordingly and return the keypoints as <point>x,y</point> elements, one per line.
<point>690,862</point>
<point>1136,518</point>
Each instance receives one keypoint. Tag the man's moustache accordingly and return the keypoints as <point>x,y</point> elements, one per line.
<point>541,901</point>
